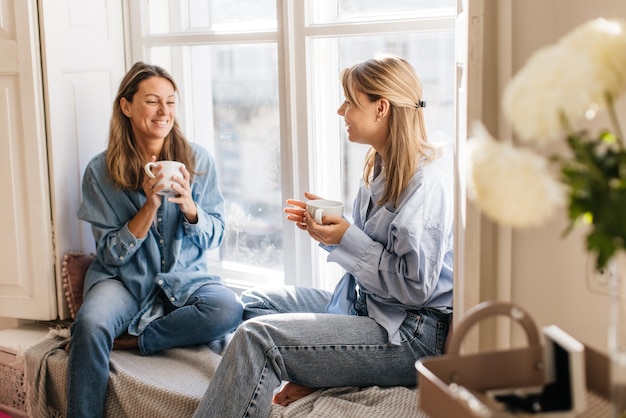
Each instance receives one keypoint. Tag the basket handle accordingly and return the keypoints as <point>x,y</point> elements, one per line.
<point>490,308</point>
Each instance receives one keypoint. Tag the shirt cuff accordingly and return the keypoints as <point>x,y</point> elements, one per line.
<point>191,229</point>
<point>187,222</point>
<point>351,250</point>
<point>127,238</point>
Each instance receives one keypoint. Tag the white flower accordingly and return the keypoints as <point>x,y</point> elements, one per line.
<point>561,85</point>
<point>512,186</point>
<point>604,43</point>
<point>551,94</point>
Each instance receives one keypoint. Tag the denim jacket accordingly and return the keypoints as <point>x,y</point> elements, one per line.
<point>401,257</point>
<point>172,255</point>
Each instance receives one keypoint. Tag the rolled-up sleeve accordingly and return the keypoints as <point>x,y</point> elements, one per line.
<point>115,243</point>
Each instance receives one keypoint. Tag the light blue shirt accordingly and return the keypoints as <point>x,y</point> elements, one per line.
<point>171,257</point>
<point>400,257</point>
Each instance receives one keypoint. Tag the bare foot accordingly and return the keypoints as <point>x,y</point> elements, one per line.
<point>126,342</point>
<point>291,392</point>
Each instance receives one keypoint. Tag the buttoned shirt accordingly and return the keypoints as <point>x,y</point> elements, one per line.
<point>400,256</point>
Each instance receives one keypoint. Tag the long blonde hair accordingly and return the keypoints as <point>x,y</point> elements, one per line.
<point>123,159</point>
<point>393,78</point>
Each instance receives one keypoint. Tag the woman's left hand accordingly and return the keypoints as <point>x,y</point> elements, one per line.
<point>330,233</point>
<point>183,197</point>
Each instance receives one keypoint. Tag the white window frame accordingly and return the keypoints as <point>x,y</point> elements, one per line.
<point>304,263</point>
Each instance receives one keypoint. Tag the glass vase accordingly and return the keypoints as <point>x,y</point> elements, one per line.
<point>617,338</point>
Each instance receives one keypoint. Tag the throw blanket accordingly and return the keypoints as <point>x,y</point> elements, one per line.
<point>171,384</point>
<point>353,402</point>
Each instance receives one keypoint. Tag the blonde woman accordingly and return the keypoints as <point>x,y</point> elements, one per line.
<point>394,304</point>
<point>150,287</point>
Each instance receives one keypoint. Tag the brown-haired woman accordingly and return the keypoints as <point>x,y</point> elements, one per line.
<point>150,287</point>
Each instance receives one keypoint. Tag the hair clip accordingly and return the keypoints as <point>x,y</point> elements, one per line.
<point>419,104</point>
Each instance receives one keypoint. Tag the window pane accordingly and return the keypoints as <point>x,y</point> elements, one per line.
<point>230,100</point>
<point>174,16</point>
<point>338,174</point>
<point>336,11</point>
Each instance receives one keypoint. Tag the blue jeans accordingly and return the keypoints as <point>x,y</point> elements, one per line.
<point>313,348</point>
<point>212,312</point>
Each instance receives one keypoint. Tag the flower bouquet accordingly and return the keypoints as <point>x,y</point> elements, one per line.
<point>560,86</point>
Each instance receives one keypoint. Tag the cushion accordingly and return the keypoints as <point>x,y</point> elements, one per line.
<point>73,271</point>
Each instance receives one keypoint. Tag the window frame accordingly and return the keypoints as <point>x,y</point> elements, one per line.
<point>303,263</point>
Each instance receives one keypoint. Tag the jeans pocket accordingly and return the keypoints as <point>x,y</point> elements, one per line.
<point>424,332</point>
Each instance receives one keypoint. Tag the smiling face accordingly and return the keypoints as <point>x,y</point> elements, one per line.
<point>151,112</point>
<point>367,120</point>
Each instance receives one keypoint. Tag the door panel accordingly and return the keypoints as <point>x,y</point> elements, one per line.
<point>27,286</point>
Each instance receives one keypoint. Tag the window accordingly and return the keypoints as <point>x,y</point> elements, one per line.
<point>259,83</point>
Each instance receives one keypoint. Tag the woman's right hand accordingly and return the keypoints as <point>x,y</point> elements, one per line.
<point>150,187</point>
<point>295,212</point>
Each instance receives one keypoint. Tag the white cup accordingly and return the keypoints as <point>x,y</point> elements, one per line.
<point>319,208</point>
<point>169,169</point>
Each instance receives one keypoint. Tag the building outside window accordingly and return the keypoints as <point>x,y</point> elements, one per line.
<point>259,82</point>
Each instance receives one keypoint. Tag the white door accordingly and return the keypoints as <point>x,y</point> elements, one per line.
<point>83,49</point>
<point>27,282</point>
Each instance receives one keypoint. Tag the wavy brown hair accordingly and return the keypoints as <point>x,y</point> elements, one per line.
<point>393,78</point>
<point>124,161</point>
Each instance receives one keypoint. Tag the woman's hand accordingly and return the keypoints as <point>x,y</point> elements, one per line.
<point>330,233</point>
<point>183,198</point>
<point>296,213</point>
<point>150,187</point>
<point>140,224</point>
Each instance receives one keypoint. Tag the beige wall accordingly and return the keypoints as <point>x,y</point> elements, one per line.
<point>548,272</point>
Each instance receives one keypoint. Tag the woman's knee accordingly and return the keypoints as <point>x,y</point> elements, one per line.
<point>230,311</point>
<point>254,329</point>
<point>98,324</point>
<point>224,306</point>
<point>90,328</point>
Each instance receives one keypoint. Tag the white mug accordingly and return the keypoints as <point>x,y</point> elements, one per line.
<point>318,208</point>
<point>169,169</point>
